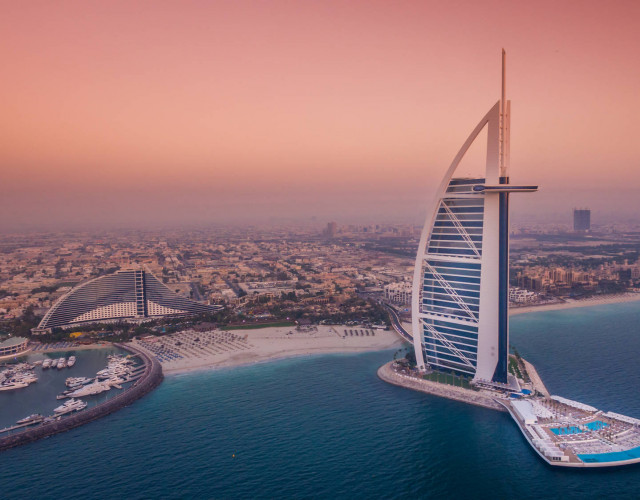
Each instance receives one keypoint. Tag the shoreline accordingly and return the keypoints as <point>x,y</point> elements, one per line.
<point>571,303</point>
<point>308,350</point>
<point>276,357</point>
<point>468,396</point>
<point>190,351</point>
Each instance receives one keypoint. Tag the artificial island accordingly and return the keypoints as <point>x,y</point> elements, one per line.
<point>460,317</point>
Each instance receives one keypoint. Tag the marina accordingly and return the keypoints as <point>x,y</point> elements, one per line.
<point>120,370</point>
<point>93,385</point>
<point>76,412</point>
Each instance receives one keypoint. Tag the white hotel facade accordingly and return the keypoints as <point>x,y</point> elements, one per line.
<point>461,278</point>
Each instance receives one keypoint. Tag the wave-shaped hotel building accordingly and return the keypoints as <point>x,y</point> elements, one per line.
<point>460,313</point>
<point>461,279</point>
<point>126,294</point>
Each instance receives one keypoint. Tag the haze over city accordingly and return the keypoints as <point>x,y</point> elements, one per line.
<point>319,249</point>
<point>124,114</point>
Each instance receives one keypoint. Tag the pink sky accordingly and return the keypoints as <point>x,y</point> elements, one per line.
<point>203,110</point>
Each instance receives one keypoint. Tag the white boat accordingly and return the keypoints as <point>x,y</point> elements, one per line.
<point>28,378</point>
<point>62,362</point>
<point>69,406</point>
<point>46,363</point>
<point>89,390</point>
<point>9,386</point>
<point>77,381</point>
<point>17,377</point>
<point>31,419</point>
<point>71,362</point>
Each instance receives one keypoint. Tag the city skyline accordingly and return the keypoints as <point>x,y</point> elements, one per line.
<point>124,116</point>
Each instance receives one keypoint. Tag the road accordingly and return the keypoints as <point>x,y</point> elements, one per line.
<point>197,296</point>
<point>397,326</point>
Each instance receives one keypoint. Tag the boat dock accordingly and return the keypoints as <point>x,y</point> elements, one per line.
<point>150,377</point>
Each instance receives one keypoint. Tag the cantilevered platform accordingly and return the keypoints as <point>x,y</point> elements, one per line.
<point>567,433</point>
<point>562,432</point>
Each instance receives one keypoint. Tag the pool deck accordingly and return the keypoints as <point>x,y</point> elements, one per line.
<point>572,459</point>
<point>593,438</point>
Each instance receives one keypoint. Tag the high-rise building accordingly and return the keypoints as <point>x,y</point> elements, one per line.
<point>461,278</point>
<point>331,230</point>
<point>581,219</point>
<point>125,294</point>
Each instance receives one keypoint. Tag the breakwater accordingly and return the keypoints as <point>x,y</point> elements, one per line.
<point>478,398</point>
<point>151,377</point>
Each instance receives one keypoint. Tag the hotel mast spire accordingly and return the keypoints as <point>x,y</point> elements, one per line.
<point>504,121</point>
<point>460,297</point>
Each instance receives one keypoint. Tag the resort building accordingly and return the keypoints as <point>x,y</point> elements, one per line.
<point>13,346</point>
<point>398,293</point>
<point>126,294</point>
<point>461,277</point>
<point>522,296</point>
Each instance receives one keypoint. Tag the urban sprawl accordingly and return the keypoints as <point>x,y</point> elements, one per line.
<point>313,274</point>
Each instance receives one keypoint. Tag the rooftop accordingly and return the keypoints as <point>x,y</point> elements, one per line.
<point>11,341</point>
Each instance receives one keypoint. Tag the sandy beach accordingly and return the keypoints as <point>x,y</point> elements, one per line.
<point>190,351</point>
<point>570,303</point>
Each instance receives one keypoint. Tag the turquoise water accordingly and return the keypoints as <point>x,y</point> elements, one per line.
<point>327,427</point>
<point>616,456</point>
<point>571,429</point>
<point>596,426</point>
<point>566,430</point>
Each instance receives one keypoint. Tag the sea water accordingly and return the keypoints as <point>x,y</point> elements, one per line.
<point>40,397</point>
<point>327,427</point>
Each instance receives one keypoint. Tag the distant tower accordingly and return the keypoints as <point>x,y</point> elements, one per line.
<point>581,219</point>
<point>332,230</point>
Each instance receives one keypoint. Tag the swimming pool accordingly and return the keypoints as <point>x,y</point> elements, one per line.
<point>561,431</point>
<point>572,429</point>
<point>596,426</point>
<point>615,456</point>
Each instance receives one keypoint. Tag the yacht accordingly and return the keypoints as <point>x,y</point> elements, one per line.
<point>62,362</point>
<point>77,381</point>
<point>71,362</point>
<point>69,406</point>
<point>25,377</point>
<point>46,363</point>
<point>8,386</point>
<point>89,390</point>
<point>31,419</point>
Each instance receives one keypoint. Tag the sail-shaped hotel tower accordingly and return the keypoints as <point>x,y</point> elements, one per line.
<point>461,279</point>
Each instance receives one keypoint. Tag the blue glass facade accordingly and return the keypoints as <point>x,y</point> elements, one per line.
<point>450,299</point>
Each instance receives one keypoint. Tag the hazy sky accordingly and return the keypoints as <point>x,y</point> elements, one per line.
<point>195,111</point>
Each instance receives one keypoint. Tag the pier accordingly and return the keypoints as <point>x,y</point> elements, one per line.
<point>148,380</point>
